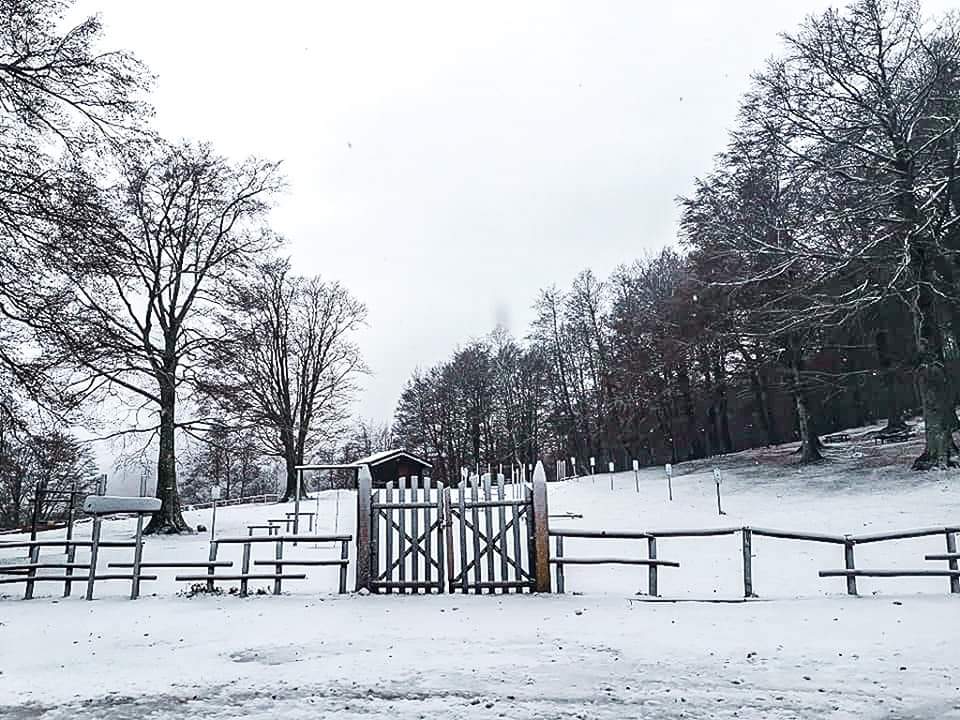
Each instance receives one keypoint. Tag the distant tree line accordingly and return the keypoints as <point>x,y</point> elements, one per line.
<point>139,278</point>
<point>815,285</point>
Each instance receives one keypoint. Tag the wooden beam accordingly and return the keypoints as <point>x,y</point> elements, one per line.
<point>364,561</point>
<point>541,529</point>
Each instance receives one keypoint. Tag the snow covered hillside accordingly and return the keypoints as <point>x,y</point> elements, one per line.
<point>802,650</point>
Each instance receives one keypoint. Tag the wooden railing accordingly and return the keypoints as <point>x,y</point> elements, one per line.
<point>747,533</point>
<point>249,500</point>
<point>278,563</point>
<point>652,562</point>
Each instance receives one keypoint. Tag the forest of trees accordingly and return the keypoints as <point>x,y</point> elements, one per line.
<point>815,283</point>
<point>140,290</point>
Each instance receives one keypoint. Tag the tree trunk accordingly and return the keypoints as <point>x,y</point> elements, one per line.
<point>169,519</point>
<point>810,447</point>
<point>939,414</point>
<point>689,411</point>
<point>291,460</point>
<point>888,373</point>
<point>936,390</point>
<point>713,422</point>
<point>720,383</point>
<point>762,404</point>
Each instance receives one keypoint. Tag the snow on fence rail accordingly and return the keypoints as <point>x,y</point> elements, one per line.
<point>249,500</point>
<point>849,542</point>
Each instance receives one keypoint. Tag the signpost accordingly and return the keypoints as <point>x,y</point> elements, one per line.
<point>717,479</point>
<point>669,469</point>
<point>636,474</point>
<point>610,466</point>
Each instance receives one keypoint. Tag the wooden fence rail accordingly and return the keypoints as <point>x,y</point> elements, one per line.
<point>279,563</point>
<point>250,500</point>
<point>850,572</point>
<point>651,561</point>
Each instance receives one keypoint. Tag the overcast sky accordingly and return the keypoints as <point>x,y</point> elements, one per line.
<point>446,160</point>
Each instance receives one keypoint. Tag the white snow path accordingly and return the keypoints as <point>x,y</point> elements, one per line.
<point>466,657</point>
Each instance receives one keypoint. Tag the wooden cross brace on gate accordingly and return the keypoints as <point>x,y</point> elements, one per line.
<point>496,544</point>
<point>415,544</point>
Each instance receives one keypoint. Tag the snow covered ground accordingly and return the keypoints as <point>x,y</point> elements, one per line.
<point>802,650</point>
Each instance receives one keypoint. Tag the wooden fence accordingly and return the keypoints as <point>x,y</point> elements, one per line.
<point>249,500</point>
<point>850,572</point>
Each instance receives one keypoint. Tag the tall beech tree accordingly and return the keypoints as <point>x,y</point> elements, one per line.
<point>134,275</point>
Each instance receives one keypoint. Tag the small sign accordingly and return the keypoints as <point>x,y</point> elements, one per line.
<point>636,465</point>
<point>109,504</point>
<point>716,475</point>
<point>593,461</point>
<point>669,468</point>
<point>573,461</point>
<point>611,467</point>
<point>215,492</point>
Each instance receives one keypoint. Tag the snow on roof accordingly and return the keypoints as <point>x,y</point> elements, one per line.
<point>384,456</point>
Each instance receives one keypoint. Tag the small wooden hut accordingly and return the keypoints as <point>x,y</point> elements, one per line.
<point>393,465</point>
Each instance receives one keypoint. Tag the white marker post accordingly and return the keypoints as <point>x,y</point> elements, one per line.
<point>610,467</point>
<point>214,496</point>
<point>636,474</point>
<point>593,466</point>
<point>573,465</point>
<point>717,479</point>
<point>669,470</point>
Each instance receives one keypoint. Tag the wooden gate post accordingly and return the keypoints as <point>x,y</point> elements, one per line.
<point>541,530</point>
<point>364,489</point>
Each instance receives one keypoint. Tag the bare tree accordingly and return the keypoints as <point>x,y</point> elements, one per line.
<point>288,364</point>
<point>58,95</point>
<point>860,97</point>
<point>134,275</point>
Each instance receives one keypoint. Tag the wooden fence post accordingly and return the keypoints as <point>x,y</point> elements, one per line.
<point>748,563</point>
<point>345,556</point>
<point>94,554</point>
<point>560,588</point>
<point>278,568</point>
<point>245,569</point>
<point>849,565</point>
<point>32,572</point>
<point>541,530</point>
<point>652,589</point>
<point>212,557</point>
<point>952,563</point>
<point>364,485</point>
